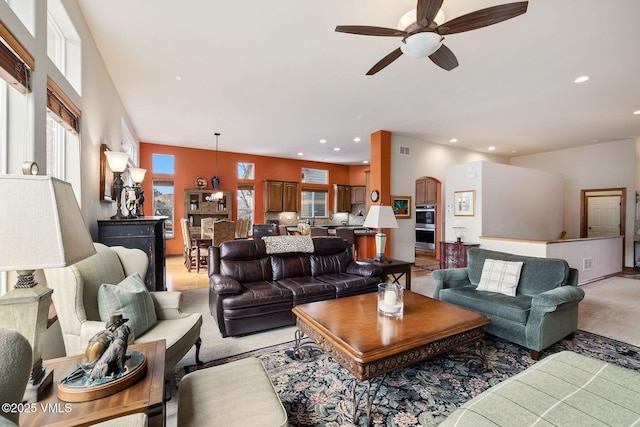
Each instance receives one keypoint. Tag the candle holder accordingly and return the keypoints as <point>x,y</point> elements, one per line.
<point>390,299</point>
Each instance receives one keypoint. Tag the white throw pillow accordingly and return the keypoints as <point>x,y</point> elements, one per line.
<point>500,276</point>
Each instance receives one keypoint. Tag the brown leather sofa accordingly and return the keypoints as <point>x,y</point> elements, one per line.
<point>251,290</point>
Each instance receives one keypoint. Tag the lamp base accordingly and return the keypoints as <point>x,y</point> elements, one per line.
<point>381,243</point>
<point>36,389</point>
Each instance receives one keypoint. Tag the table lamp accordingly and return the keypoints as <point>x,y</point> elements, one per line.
<point>118,164</point>
<point>41,227</point>
<point>380,217</point>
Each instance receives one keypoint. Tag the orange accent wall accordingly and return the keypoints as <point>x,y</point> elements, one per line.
<point>191,163</point>
<point>380,177</point>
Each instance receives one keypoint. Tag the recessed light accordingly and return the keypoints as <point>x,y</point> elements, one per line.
<point>492,148</point>
<point>300,154</point>
<point>323,141</point>
<point>453,140</point>
<point>178,78</point>
<point>365,161</point>
<point>514,151</point>
<point>356,139</point>
<point>637,113</point>
<point>336,149</point>
<point>581,79</point>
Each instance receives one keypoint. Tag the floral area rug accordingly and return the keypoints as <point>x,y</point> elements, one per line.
<point>318,391</point>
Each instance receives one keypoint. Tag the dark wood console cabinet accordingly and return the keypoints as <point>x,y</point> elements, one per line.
<point>454,255</point>
<point>146,233</point>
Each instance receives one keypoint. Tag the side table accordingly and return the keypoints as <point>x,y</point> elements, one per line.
<point>394,268</point>
<point>146,395</point>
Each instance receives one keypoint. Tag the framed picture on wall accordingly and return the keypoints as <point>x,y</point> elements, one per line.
<point>106,176</point>
<point>401,206</point>
<point>464,203</point>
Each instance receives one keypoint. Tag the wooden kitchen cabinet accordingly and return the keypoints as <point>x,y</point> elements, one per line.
<point>342,198</point>
<point>281,196</point>
<point>358,194</point>
<point>426,191</point>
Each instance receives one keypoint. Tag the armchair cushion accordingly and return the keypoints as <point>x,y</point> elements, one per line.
<point>130,298</point>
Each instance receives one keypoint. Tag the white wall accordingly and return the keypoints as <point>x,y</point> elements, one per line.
<point>426,159</point>
<point>605,165</point>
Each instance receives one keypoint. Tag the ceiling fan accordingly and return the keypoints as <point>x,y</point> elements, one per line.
<point>424,37</point>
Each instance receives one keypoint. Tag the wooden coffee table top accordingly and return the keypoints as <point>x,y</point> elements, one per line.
<point>351,330</point>
<point>146,395</point>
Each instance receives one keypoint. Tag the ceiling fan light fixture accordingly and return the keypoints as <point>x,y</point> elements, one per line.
<point>409,18</point>
<point>421,45</point>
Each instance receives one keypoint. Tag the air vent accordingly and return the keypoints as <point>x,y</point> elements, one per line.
<point>405,151</point>
<point>586,264</point>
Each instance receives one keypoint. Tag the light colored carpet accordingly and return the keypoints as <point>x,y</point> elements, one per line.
<point>611,308</point>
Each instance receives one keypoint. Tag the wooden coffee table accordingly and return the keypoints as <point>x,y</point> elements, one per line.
<point>146,395</point>
<point>369,344</point>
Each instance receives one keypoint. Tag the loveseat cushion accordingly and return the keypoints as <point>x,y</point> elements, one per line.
<point>290,266</point>
<point>537,275</point>
<point>491,304</point>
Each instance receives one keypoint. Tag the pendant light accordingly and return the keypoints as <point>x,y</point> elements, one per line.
<point>215,181</point>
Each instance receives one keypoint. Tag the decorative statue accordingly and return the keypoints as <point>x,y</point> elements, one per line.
<point>105,353</point>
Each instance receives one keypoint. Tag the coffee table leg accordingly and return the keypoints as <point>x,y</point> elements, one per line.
<point>370,397</point>
<point>303,349</point>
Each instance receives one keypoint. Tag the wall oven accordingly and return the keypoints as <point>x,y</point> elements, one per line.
<point>426,238</point>
<point>425,216</point>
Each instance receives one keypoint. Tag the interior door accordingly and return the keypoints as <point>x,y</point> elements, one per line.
<point>603,214</point>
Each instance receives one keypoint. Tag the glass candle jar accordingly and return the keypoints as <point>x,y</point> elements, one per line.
<point>390,299</point>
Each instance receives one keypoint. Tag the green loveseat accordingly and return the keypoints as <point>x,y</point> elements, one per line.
<point>543,311</point>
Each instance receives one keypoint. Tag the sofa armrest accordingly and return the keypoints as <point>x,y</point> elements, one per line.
<point>224,284</point>
<point>168,305</point>
<point>450,278</point>
<point>364,269</point>
<point>553,298</point>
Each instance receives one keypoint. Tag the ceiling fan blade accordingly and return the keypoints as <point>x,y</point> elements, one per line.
<point>427,10</point>
<point>365,30</point>
<point>483,18</point>
<point>385,61</point>
<point>444,58</point>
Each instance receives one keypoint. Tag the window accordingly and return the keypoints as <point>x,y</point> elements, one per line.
<point>129,143</point>
<point>64,46</point>
<point>314,203</point>
<point>63,141</point>
<point>163,164</point>
<point>315,176</point>
<point>25,11</point>
<point>245,203</point>
<point>163,202</point>
<point>245,170</point>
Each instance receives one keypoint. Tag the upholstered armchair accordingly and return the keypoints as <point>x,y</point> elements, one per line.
<point>75,298</point>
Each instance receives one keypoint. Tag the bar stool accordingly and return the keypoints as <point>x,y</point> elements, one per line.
<point>349,235</point>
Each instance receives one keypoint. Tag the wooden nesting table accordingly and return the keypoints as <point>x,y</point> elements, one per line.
<point>369,344</point>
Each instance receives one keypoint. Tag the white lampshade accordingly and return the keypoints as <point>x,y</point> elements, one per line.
<point>381,216</point>
<point>42,226</point>
<point>421,45</point>
<point>117,160</point>
<point>137,174</point>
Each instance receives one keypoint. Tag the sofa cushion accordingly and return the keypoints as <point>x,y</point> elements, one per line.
<point>259,293</point>
<point>537,275</point>
<point>290,266</point>
<point>308,289</point>
<point>489,303</point>
<point>130,298</point>
<point>329,264</point>
<point>248,270</point>
<point>350,284</point>
<point>500,276</point>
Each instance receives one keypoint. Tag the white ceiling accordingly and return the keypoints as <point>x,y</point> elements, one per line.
<point>273,77</point>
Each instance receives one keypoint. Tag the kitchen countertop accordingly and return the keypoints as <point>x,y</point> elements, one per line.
<point>358,230</point>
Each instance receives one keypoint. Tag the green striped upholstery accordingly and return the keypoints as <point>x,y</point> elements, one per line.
<point>564,389</point>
